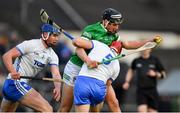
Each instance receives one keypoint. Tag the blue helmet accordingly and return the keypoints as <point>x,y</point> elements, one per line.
<point>50,28</point>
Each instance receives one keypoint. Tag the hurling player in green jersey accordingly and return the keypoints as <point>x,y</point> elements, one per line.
<point>104,31</point>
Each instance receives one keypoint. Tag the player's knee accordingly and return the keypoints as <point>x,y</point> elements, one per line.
<point>114,103</point>
<point>50,108</point>
<point>152,110</point>
<point>46,107</point>
<point>142,108</point>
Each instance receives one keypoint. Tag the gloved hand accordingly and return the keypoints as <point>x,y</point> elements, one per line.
<point>117,46</point>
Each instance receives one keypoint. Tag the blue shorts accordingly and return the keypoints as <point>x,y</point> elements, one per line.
<point>89,90</point>
<point>13,90</point>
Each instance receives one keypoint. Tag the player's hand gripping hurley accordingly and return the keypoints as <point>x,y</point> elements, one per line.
<point>46,19</point>
<point>148,45</point>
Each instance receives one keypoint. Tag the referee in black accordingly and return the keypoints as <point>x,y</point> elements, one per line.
<point>148,69</point>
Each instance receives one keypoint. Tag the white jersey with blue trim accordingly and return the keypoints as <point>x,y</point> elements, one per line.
<point>34,57</point>
<point>101,52</point>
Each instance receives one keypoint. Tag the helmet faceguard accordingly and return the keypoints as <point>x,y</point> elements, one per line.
<point>112,15</point>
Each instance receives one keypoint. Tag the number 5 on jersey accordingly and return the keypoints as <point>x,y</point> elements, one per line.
<point>109,56</point>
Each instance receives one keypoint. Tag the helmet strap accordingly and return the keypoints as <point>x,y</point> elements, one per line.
<point>105,23</point>
<point>45,38</point>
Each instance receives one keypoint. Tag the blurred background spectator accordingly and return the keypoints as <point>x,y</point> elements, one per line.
<point>64,53</point>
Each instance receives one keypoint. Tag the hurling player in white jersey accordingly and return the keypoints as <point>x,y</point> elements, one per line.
<point>104,31</point>
<point>90,84</point>
<point>31,56</point>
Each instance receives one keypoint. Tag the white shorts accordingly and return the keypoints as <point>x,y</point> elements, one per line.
<point>70,72</point>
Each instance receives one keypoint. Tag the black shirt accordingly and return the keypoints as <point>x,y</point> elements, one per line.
<point>142,66</point>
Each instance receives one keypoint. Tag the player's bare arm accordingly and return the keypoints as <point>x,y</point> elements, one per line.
<point>57,85</point>
<point>136,44</point>
<point>8,62</point>
<point>83,56</point>
<point>82,43</point>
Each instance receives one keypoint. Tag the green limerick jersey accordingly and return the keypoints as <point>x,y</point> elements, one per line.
<point>95,32</point>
